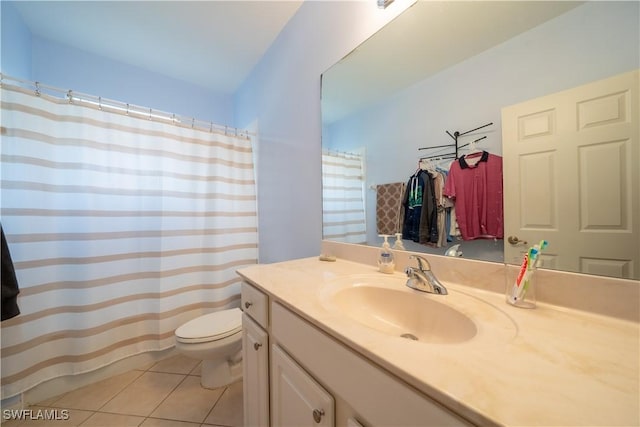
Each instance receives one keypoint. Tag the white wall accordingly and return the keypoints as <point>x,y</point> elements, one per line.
<point>590,42</point>
<point>281,100</point>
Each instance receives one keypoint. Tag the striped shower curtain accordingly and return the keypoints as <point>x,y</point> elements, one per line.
<point>343,213</point>
<point>121,228</point>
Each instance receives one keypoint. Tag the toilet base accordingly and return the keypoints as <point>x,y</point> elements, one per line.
<point>215,374</point>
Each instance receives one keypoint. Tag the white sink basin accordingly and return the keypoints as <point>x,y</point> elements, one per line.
<point>409,315</point>
<point>385,305</point>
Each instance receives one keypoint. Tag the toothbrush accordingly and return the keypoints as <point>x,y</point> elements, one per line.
<point>534,260</point>
<point>543,245</point>
<point>533,257</point>
<point>516,285</point>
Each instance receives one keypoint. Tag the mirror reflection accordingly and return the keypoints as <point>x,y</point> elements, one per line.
<point>431,87</point>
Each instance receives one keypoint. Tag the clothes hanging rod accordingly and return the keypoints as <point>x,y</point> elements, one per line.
<point>125,108</point>
<point>454,145</point>
<point>457,134</point>
<point>473,142</point>
<point>439,156</point>
<point>435,146</point>
<point>448,154</point>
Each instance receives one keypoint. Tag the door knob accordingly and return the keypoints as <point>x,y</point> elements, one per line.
<point>514,240</point>
<point>256,346</point>
<point>317,415</point>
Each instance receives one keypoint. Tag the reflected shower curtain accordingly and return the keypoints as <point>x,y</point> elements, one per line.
<point>343,213</point>
<point>120,229</point>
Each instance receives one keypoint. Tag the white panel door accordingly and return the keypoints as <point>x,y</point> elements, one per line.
<point>571,176</point>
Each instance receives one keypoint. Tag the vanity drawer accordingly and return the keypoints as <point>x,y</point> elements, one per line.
<point>255,303</point>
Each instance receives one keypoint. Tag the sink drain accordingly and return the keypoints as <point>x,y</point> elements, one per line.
<point>409,337</point>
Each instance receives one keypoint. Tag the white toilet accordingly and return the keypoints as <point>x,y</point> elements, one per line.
<point>216,339</point>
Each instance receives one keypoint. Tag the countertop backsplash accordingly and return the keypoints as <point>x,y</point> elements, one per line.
<point>607,296</point>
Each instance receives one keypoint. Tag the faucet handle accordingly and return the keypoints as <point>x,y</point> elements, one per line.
<point>423,264</point>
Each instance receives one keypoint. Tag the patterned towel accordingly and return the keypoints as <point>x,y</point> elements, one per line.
<point>389,207</point>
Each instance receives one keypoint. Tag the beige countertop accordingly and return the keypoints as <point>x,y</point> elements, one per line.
<point>548,366</point>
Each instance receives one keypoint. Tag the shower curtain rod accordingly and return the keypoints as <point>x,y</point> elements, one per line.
<point>125,108</point>
<point>340,153</point>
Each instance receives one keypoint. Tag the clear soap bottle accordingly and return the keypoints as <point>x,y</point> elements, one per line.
<point>386,263</point>
<point>398,243</point>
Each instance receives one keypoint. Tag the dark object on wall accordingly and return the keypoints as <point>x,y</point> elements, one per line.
<point>10,288</point>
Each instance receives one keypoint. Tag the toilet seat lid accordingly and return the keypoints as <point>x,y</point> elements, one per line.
<point>211,327</point>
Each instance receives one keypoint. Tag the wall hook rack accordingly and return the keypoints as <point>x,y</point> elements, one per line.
<point>455,135</point>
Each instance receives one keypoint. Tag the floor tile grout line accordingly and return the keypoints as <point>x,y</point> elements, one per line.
<point>54,404</point>
<point>92,412</point>
<point>216,403</point>
<point>166,397</point>
<point>194,368</point>
<point>123,389</point>
<point>127,386</point>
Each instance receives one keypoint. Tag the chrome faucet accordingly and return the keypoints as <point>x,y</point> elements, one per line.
<point>423,279</point>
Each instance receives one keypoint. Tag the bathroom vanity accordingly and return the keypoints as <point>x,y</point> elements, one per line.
<point>342,344</point>
<point>314,379</point>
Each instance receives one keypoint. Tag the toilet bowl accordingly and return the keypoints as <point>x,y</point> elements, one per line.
<point>216,339</point>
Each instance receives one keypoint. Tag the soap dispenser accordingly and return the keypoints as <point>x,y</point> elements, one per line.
<point>386,263</point>
<point>398,243</point>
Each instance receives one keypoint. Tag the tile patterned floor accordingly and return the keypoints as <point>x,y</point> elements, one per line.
<point>166,394</point>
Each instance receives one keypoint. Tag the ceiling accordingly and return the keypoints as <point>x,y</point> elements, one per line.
<point>427,38</point>
<point>213,44</point>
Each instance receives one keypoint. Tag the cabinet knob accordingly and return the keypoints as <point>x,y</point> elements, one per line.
<point>256,346</point>
<point>317,415</point>
<point>248,304</point>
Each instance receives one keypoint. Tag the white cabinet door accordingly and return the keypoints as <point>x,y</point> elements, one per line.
<point>296,398</point>
<point>255,365</point>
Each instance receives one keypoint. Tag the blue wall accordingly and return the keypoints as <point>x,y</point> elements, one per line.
<point>591,42</point>
<point>15,48</point>
<point>66,67</point>
<point>281,100</point>
<point>30,57</point>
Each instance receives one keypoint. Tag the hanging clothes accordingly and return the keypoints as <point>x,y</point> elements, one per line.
<point>450,224</point>
<point>420,209</point>
<point>10,288</point>
<point>440,223</point>
<point>476,188</point>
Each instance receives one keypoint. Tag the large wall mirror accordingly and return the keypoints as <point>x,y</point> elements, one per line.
<point>453,66</point>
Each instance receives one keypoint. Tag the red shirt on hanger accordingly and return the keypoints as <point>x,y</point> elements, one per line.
<point>477,193</point>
